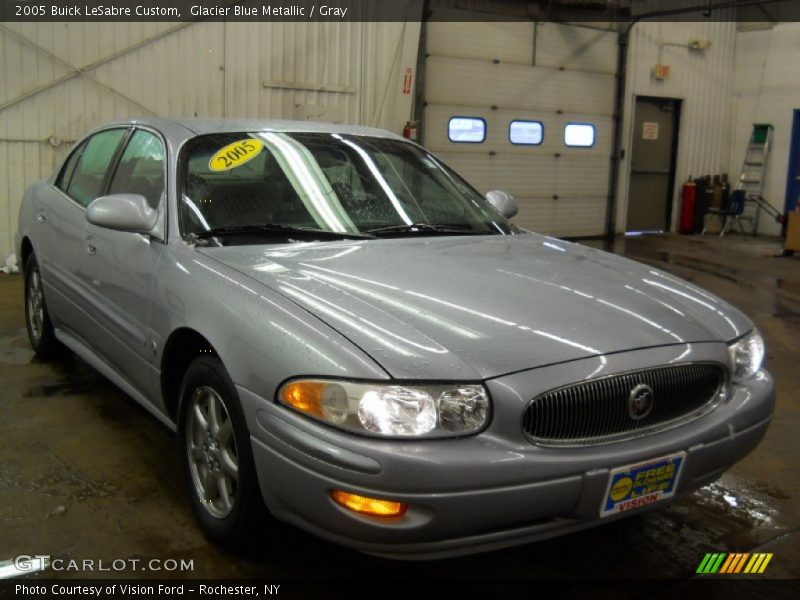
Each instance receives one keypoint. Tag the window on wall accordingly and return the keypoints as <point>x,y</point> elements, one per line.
<point>466,130</point>
<point>581,135</point>
<point>525,133</point>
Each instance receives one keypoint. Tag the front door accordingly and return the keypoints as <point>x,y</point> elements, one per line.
<point>120,266</point>
<point>652,164</point>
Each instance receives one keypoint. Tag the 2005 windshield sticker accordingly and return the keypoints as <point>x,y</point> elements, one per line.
<point>235,155</point>
<point>641,484</point>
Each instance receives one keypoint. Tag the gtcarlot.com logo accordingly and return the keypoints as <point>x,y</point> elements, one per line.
<point>734,563</point>
<point>25,564</point>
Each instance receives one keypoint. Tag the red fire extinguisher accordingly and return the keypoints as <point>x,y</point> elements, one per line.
<point>687,208</point>
<point>410,130</point>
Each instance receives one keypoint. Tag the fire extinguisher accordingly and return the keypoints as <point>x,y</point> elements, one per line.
<point>410,130</point>
<point>687,208</point>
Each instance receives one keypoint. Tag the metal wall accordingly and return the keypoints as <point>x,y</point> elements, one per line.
<point>704,80</point>
<point>767,92</point>
<point>59,79</point>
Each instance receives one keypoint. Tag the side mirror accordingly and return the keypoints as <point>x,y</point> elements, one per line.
<point>503,202</point>
<point>122,212</point>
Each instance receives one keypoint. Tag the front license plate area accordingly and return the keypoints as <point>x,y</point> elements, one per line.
<point>642,484</point>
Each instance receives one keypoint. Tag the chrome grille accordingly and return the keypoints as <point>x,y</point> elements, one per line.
<point>598,411</point>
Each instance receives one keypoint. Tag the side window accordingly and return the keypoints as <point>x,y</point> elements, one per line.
<point>69,168</point>
<point>141,168</point>
<point>86,182</point>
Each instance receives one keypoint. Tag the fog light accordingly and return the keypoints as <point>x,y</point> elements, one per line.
<point>369,506</point>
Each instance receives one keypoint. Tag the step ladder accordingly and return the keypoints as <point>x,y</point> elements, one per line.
<point>754,171</point>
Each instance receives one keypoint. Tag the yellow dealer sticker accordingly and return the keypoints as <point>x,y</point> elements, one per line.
<point>235,155</point>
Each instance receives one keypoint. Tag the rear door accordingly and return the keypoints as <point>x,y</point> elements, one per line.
<point>119,267</point>
<point>61,216</point>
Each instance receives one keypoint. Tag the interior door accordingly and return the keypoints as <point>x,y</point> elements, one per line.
<point>652,166</point>
<point>120,266</point>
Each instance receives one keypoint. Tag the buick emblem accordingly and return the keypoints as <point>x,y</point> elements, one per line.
<point>640,401</point>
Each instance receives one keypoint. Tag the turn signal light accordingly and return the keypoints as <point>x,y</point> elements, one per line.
<point>304,396</point>
<point>369,506</point>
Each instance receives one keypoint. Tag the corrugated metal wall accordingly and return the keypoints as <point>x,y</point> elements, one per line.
<point>58,80</point>
<point>704,80</point>
<point>350,72</point>
<point>767,92</point>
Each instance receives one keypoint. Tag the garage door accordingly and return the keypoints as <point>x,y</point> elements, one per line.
<point>526,108</point>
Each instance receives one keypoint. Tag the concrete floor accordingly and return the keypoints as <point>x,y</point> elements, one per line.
<point>86,473</point>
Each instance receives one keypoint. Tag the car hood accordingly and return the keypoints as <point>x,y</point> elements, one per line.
<point>476,307</point>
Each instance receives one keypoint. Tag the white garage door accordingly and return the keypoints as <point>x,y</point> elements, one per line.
<point>488,85</point>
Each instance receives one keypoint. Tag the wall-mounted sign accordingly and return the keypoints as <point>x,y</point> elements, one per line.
<point>409,74</point>
<point>649,130</point>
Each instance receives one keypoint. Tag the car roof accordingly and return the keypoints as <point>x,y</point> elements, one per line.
<point>206,126</point>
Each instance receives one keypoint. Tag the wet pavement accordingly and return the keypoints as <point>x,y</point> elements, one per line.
<point>85,473</point>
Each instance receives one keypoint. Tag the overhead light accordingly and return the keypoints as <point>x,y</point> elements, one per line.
<point>699,44</point>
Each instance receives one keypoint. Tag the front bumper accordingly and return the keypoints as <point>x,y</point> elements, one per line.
<point>491,490</point>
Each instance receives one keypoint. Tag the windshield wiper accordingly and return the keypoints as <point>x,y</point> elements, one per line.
<point>271,229</point>
<point>424,228</point>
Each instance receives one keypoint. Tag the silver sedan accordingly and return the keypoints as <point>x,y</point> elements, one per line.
<point>347,336</point>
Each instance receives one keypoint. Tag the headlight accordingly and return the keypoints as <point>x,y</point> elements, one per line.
<point>396,410</point>
<point>747,356</point>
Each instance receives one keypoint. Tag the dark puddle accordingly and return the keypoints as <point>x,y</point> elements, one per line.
<point>58,389</point>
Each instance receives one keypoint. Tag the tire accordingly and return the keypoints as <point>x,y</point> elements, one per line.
<point>216,456</point>
<point>37,319</point>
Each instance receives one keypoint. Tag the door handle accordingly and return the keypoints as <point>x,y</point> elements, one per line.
<point>41,217</point>
<point>90,245</point>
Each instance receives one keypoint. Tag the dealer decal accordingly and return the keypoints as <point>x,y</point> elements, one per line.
<point>734,563</point>
<point>642,484</point>
<point>235,155</point>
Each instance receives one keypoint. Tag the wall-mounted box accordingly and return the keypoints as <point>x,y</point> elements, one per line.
<point>661,72</point>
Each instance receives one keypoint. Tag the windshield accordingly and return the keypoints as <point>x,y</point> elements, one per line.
<point>339,183</point>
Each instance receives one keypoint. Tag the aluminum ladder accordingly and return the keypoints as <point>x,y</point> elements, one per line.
<point>754,171</point>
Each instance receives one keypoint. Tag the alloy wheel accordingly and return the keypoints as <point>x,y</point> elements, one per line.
<point>35,304</point>
<point>211,448</point>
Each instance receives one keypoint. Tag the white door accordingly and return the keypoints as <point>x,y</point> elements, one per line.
<point>499,100</point>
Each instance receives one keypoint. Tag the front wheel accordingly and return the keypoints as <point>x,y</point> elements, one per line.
<point>37,320</point>
<point>216,457</point>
